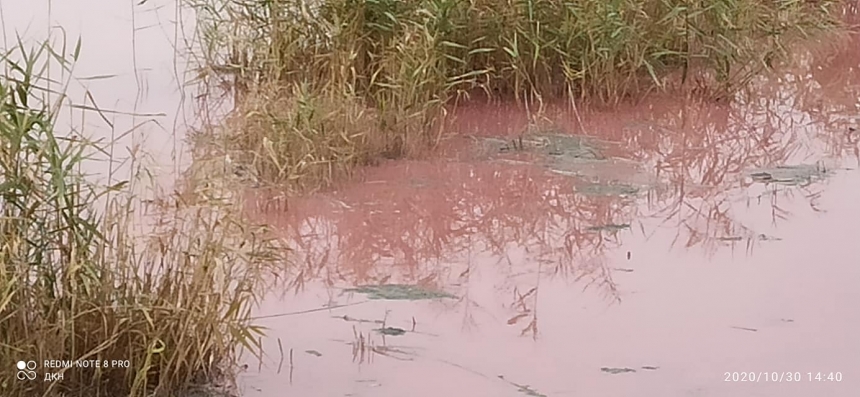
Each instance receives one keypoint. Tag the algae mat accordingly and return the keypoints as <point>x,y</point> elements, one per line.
<point>399,292</point>
<point>552,146</point>
<point>791,175</point>
<point>574,156</point>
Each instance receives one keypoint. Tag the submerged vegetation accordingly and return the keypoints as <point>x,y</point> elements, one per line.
<point>322,87</point>
<point>79,281</point>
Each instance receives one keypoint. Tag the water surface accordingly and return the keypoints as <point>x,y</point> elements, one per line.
<point>678,252</point>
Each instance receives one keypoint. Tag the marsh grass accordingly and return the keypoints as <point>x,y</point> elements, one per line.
<point>326,85</point>
<point>79,281</point>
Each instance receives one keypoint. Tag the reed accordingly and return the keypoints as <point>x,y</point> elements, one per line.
<point>82,278</point>
<point>377,76</point>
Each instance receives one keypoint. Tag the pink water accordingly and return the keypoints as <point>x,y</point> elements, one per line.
<point>687,291</point>
<point>550,299</point>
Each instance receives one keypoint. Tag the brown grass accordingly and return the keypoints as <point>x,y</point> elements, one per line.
<point>80,281</point>
<point>325,86</point>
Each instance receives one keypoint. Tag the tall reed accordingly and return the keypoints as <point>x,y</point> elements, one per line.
<point>389,68</point>
<point>78,279</point>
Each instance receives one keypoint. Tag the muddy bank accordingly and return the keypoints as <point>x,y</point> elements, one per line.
<point>657,249</point>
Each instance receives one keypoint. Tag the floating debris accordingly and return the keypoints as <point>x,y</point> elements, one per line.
<point>760,237</point>
<point>313,353</point>
<point>391,331</point>
<point>790,175</point>
<point>650,368</point>
<point>610,227</point>
<point>525,389</point>
<point>369,383</point>
<point>745,329</point>
<point>530,392</point>
<point>357,320</point>
<point>399,292</point>
<point>615,371</point>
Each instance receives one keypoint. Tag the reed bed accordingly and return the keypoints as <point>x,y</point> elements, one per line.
<point>325,86</point>
<point>82,278</point>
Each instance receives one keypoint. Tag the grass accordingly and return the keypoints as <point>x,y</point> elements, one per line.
<point>326,86</point>
<point>80,281</point>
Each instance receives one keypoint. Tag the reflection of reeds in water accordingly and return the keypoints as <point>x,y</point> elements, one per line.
<point>710,150</point>
<point>524,312</point>
<point>439,221</point>
<point>437,232</point>
<point>383,233</point>
<point>701,151</point>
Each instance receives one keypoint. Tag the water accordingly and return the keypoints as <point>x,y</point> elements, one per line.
<point>564,286</point>
<point>699,274</point>
<point>134,63</point>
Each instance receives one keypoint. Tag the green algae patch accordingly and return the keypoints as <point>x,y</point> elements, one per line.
<point>583,158</point>
<point>550,147</point>
<point>616,371</point>
<point>611,227</point>
<point>791,175</point>
<point>568,147</point>
<point>391,331</point>
<point>399,292</point>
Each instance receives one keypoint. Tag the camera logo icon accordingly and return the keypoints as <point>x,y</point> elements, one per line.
<point>26,370</point>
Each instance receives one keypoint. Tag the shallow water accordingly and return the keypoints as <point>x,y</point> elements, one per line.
<point>133,62</point>
<point>552,284</point>
<point>700,272</point>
